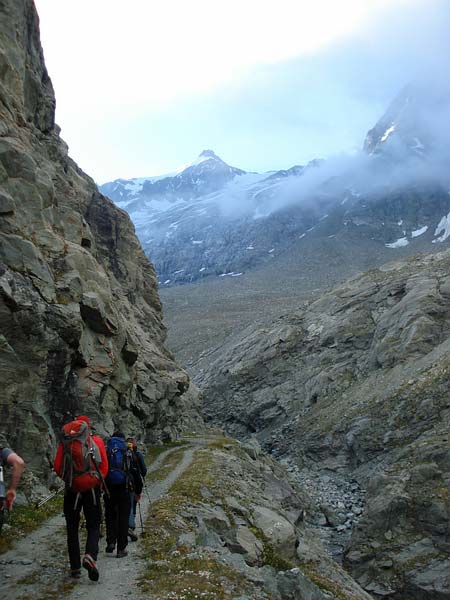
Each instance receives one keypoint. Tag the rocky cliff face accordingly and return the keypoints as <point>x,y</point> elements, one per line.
<point>415,124</point>
<point>80,319</point>
<point>353,387</point>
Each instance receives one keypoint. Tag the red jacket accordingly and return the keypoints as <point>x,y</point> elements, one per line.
<point>103,467</point>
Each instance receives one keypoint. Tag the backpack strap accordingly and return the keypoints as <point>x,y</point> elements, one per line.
<point>67,466</point>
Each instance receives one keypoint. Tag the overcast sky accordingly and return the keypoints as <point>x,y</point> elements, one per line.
<point>143,87</point>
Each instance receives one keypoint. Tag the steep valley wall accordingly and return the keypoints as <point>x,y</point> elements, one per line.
<point>355,386</point>
<point>80,318</point>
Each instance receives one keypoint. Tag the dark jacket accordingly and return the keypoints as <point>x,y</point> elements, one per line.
<point>138,471</point>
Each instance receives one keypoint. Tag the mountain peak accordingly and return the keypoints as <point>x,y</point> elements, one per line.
<point>208,154</point>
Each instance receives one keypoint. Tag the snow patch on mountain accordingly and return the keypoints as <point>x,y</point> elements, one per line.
<point>418,232</point>
<point>387,133</point>
<point>444,227</point>
<point>398,243</point>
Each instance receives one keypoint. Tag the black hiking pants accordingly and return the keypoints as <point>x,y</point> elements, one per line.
<point>117,512</point>
<point>90,503</point>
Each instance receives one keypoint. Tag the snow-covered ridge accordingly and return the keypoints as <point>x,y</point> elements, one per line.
<point>213,220</point>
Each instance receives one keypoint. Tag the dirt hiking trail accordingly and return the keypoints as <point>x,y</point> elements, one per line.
<point>37,567</point>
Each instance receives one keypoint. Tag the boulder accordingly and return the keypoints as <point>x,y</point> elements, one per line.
<point>276,529</point>
<point>245,542</point>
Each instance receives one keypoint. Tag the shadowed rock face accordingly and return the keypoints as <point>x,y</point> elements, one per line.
<point>356,385</point>
<point>80,319</point>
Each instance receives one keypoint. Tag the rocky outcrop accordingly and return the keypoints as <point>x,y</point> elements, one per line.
<point>80,319</point>
<point>239,518</point>
<point>354,386</point>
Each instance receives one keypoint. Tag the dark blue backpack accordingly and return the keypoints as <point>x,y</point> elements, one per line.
<point>118,473</point>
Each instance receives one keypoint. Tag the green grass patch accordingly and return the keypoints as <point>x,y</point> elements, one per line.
<point>152,452</point>
<point>190,578</point>
<point>168,465</point>
<point>54,590</point>
<point>25,519</point>
<point>222,442</point>
<point>30,579</point>
<point>200,474</point>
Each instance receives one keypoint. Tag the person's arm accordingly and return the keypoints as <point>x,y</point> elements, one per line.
<point>142,465</point>
<point>57,464</point>
<point>137,482</point>
<point>18,465</point>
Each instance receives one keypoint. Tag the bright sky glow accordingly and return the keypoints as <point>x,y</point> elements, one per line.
<point>148,53</point>
<point>109,58</point>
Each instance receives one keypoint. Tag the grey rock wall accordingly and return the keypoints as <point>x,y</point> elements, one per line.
<point>355,386</point>
<point>81,326</point>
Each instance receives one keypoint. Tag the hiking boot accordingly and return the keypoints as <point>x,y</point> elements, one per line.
<point>89,564</point>
<point>121,553</point>
<point>110,548</point>
<point>75,573</point>
<point>133,537</point>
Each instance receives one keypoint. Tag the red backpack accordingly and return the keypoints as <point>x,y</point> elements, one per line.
<point>81,456</point>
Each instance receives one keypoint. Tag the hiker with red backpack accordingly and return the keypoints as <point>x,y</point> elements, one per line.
<point>117,503</point>
<point>82,463</point>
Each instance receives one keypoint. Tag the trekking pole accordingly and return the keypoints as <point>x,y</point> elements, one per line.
<point>3,509</point>
<point>140,518</point>
<point>145,487</point>
<point>50,496</point>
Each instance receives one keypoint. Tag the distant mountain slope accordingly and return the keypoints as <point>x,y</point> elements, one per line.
<point>208,219</point>
<point>211,219</point>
